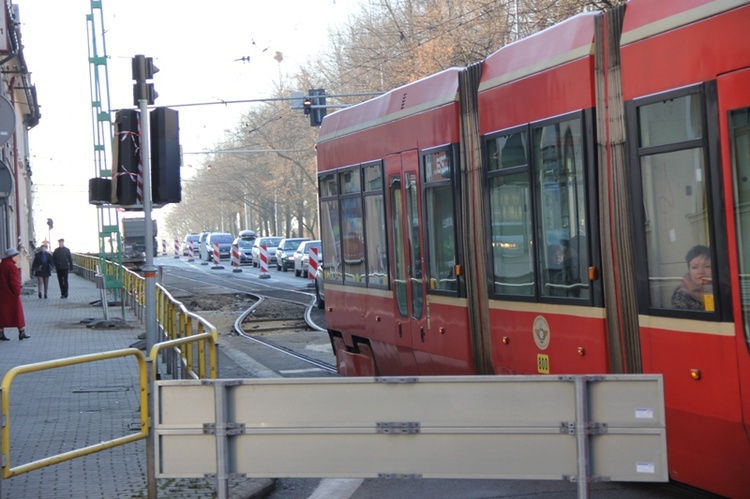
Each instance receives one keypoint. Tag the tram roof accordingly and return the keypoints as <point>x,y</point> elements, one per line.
<point>564,42</point>
<point>417,97</point>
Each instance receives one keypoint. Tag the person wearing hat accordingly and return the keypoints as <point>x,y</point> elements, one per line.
<point>11,308</point>
<point>41,267</point>
<point>63,262</point>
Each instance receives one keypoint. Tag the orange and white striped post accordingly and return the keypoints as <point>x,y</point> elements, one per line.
<point>264,262</point>
<point>236,258</point>
<point>216,257</point>
<point>164,246</point>
<point>176,248</point>
<point>312,265</point>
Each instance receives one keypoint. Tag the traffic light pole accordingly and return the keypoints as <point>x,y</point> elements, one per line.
<point>149,274</point>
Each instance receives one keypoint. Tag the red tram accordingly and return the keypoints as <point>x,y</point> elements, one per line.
<point>578,203</point>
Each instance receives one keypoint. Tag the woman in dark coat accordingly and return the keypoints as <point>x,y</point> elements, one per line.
<point>42,269</point>
<point>11,308</point>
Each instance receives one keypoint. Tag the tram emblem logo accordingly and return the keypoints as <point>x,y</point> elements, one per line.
<point>541,332</point>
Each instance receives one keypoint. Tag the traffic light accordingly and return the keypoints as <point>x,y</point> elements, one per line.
<point>165,156</point>
<point>144,69</point>
<point>317,98</point>
<point>49,223</point>
<point>307,105</point>
<point>126,154</point>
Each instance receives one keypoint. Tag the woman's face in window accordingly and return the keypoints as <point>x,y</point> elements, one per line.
<point>700,269</point>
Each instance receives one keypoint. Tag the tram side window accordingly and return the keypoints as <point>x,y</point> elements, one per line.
<point>330,228</point>
<point>675,201</point>
<point>352,227</point>
<point>558,151</point>
<point>440,230</point>
<point>510,214</point>
<point>377,249</point>
<point>740,141</point>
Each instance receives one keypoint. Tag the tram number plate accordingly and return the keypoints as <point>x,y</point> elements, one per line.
<point>542,363</point>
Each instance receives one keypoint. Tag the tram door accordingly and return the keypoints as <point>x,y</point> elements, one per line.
<point>407,257</point>
<point>734,119</point>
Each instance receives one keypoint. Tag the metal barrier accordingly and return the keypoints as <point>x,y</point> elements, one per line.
<point>201,355</point>
<point>174,320</point>
<point>574,428</point>
<point>8,471</point>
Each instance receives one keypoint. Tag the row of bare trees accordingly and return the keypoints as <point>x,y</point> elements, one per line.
<point>263,175</point>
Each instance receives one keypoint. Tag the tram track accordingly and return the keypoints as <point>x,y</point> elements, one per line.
<point>264,316</point>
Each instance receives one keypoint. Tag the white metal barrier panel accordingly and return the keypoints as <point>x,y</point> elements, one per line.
<point>579,428</point>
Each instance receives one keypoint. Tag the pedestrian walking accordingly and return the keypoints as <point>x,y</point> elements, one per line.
<point>11,308</point>
<point>41,268</point>
<point>63,262</point>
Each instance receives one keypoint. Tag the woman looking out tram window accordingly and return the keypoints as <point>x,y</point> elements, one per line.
<point>695,291</point>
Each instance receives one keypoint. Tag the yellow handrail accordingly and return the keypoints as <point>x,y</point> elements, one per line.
<point>186,341</point>
<point>173,318</point>
<point>8,471</point>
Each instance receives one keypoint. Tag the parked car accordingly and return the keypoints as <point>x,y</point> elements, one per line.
<point>193,240</point>
<point>224,239</point>
<point>246,249</point>
<point>319,288</point>
<point>202,249</point>
<point>285,252</point>
<point>270,243</point>
<point>302,257</point>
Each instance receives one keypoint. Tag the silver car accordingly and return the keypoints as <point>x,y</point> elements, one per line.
<point>285,252</point>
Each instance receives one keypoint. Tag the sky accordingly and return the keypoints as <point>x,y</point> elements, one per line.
<point>197,46</point>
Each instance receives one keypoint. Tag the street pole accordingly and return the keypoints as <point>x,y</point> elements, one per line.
<point>149,274</point>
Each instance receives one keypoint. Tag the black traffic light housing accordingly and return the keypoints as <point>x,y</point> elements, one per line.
<point>317,107</point>
<point>165,156</point>
<point>126,155</point>
<point>144,69</point>
<point>50,223</point>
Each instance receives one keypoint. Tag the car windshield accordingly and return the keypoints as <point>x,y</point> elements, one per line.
<point>291,244</point>
<point>221,238</point>
<point>271,241</point>
<point>244,243</point>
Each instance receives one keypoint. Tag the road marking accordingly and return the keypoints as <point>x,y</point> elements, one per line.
<point>336,488</point>
<point>300,371</point>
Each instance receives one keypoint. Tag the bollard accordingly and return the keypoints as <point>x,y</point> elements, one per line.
<point>216,257</point>
<point>163,247</point>
<point>176,248</point>
<point>312,266</point>
<point>264,262</point>
<point>236,258</point>
<point>191,252</point>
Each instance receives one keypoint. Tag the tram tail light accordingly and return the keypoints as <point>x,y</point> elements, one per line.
<point>458,270</point>
<point>695,374</point>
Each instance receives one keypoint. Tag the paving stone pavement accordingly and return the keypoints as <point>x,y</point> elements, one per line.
<point>67,408</point>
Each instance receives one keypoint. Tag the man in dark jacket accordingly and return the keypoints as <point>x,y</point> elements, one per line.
<point>63,261</point>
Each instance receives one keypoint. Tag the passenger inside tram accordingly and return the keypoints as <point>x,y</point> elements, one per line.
<point>695,292</point>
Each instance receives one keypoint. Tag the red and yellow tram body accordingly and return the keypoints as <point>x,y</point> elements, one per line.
<point>384,135</point>
<point>545,211</point>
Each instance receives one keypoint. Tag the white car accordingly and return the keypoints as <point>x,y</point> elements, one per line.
<point>270,243</point>
<point>302,257</point>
